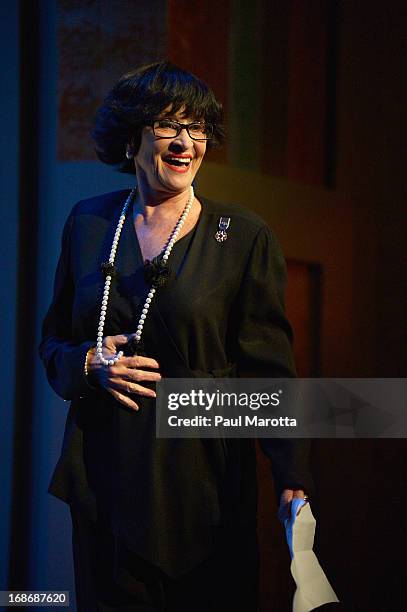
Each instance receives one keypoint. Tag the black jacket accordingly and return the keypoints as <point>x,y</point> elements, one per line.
<point>221,314</point>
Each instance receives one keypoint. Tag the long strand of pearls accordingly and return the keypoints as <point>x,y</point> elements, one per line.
<point>172,239</point>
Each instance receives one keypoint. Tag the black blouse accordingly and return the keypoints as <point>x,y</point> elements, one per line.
<point>220,314</point>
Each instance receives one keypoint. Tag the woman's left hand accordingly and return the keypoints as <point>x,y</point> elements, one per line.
<point>286,498</point>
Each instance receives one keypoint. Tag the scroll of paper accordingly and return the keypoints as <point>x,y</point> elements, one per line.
<point>313,588</point>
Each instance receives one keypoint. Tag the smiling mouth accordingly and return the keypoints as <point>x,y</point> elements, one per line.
<point>179,162</point>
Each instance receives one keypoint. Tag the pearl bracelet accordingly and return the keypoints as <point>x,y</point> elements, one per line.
<point>86,369</point>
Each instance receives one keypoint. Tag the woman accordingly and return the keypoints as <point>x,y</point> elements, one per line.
<point>158,282</point>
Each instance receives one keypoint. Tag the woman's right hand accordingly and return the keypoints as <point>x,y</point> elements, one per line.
<point>122,380</point>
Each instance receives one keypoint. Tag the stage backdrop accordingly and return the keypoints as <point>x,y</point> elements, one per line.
<point>315,145</point>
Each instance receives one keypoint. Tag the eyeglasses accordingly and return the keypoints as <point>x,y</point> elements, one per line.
<point>169,128</point>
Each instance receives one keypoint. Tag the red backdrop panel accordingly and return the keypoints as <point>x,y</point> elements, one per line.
<point>198,41</point>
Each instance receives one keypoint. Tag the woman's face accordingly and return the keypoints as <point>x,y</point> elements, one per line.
<point>154,157</point>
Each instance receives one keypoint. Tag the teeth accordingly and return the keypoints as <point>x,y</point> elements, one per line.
<point>182,160</point>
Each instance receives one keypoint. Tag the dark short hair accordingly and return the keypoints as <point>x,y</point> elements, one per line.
<point>139,97</point>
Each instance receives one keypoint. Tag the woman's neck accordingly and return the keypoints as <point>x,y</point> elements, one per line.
<point>155,206</point>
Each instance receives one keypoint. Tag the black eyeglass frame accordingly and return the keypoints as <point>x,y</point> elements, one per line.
<point>182,126</point>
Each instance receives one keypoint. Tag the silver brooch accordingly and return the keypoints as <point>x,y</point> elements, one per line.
<point>221,234</point>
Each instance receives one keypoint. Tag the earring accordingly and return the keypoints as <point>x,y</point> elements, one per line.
<point>129,153</point>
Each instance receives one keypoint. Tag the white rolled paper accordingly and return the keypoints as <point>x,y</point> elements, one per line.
<point>313,588</point>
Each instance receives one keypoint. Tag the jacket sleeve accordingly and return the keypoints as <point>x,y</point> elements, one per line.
<point>63,359</point>
<point>264,350</point>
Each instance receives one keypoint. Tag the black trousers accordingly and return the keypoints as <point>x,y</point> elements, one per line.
<point>225,582</point>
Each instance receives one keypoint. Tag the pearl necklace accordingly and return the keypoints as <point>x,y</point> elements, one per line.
<point>153,288</point>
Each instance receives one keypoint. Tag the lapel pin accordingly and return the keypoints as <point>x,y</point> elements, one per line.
<point>221,235</point>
